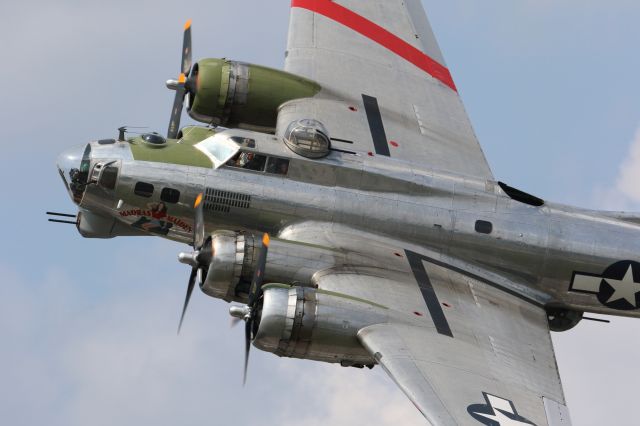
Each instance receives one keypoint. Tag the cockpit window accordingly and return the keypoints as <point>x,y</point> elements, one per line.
<point>219,149</point>
<point>249,161</point>
<point>278,166</point>
<point>260,163</point>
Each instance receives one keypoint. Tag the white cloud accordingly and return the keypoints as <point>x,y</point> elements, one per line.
<point>344,397</point>
<point>628,182</point>
<point>73,359</point>
<point>624,194</point>
<point>598,365</point>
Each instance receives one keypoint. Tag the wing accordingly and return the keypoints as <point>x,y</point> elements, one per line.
<point>385,86</point>
<point>466,349</point>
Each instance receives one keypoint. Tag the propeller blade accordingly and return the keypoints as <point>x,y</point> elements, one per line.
<point>186,48</point>
<point>192,281</point>
<point>198,223</point>
<point>258,276</point>
<point>176,112</point>
<point>247,346</point>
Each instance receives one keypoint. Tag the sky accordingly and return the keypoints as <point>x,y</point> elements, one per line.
<point>88,327</point>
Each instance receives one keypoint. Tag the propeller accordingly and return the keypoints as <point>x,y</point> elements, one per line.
<point>183,85</point>
<point>251,310</point>
<point>198,259</point>
<point>201,257</point>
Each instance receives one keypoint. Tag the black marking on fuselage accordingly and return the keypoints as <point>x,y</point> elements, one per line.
<point>376,126</point>
<point>344,151</point>
<point>428,293</point>
<point>483,280</point>
<point>419,271</point>
<point>341,140</point>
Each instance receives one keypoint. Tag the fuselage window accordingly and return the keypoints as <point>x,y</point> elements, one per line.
<point>248,161</point>
<point>143,189</point>
<point>170,195</point>
<point>278,166</point>
<point>109,177</point>
<point>484,227</point>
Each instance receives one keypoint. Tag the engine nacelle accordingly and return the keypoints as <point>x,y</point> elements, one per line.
<point>237,94</point>
<point>234,256</point>
<point>230,267</point>
<point>302,322</point>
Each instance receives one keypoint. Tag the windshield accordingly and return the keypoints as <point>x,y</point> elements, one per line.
<point>219,148</point>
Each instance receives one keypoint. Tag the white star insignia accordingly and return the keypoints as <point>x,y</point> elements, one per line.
<point>626,288</point>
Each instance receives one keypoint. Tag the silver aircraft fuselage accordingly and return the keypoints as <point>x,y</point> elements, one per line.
<point>539,248</point>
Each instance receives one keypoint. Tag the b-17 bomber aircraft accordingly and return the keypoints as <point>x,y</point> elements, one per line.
<point>345,208</point>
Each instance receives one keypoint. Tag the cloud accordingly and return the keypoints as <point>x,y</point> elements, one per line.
<point>74,359</point>
<point>598,365</point>
<point>346,396</point>
<point>629,173</point>
<point>624,194</point>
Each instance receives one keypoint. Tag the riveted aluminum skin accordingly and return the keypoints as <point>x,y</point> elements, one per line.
<point>300,322</point>
<point>93,225</point>
<point>532,251</point>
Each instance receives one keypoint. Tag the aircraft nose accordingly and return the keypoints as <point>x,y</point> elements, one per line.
<point>73,167</point>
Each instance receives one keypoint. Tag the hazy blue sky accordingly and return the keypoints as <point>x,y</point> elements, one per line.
<point>88,327</point>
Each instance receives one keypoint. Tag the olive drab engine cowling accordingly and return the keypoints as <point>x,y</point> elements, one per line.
<point>236,94</point>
